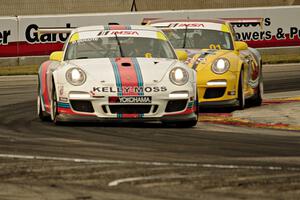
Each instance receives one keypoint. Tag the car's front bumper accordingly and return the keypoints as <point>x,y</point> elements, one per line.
<point>219,104</point>
<point>100,109</point>
<point>217,90</point>
<point>170,119</point>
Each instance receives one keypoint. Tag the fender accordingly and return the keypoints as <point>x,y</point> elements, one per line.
<point>45,80</point>
<point>54,83</point>
<point>44,85</point>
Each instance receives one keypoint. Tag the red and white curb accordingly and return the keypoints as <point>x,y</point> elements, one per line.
<point>228,119</point>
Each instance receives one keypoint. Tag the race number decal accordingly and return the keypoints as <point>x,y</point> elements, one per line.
<point>215,46</point>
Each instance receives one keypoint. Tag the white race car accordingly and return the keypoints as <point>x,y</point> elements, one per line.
<point>118,73</point>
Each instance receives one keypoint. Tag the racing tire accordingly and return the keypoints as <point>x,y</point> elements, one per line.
<point>182,124</point>
<point>258,97</point>
<point>186,124</point>
<point>54,107</point>
<point>241,93</point>
<point>42,114</point>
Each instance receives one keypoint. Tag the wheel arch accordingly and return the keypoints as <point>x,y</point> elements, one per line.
<point>53,84</point>
<point>241,67</point>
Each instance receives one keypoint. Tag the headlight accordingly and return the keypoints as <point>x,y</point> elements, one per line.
<point>179,76</point>
<point>76,76</point>
<point>220,66</point>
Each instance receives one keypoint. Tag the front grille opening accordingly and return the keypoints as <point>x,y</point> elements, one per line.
<point>155,108</point>
<point>211,93</point>
<point>104,109</point>
<point>176,105</point>
<point>130,109</point>
<point>82,106</point>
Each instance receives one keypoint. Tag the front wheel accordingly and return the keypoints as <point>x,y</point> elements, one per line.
<point>258,97</point>
<point>189,123</point>
<point>40,112</point>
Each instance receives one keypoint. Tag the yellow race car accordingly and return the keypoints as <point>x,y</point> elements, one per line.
<point>229,73</point>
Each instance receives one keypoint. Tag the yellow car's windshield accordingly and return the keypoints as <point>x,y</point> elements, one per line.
<point>199,39</point>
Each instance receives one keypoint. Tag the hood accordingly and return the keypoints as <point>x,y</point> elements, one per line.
<point>191,52</point>
<point>206,57</point>
<point>127,70</point>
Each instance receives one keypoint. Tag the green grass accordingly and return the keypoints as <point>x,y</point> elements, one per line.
<point>279,59</point>
<point>19,70</point>
<point>33,69</point>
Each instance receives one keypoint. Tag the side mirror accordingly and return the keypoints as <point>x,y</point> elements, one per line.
<point>56,56</point>
<point>182,55</point>
<point>241,46</point>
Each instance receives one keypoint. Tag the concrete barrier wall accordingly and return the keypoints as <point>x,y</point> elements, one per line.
<point>35,7</point>
<point>19,35</point>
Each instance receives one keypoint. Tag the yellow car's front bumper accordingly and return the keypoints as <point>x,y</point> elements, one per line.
<point>217,90</point>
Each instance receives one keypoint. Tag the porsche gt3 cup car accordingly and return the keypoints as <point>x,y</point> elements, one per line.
<point>118,73</point>
<point>228,71</point>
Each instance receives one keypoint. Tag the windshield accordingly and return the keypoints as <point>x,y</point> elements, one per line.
<point>111,47</point>
<point>199,39</point>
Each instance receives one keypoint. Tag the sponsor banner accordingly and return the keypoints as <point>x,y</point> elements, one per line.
<point>19,35</point>
<point>8,36</point>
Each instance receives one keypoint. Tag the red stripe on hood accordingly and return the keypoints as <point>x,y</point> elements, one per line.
<point>128,75</point>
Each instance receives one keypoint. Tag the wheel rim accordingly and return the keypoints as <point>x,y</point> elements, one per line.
<point>39,108</point>
<point>38,105</point>
<point>243,97</point>
<point>261,90</point>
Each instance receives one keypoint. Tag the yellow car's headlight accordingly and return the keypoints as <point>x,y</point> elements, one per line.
<point>179,76</point>
<point>76,76</point>
<point>220,66</point>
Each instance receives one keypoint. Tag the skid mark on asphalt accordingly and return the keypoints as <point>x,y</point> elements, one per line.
<point>147,178</point>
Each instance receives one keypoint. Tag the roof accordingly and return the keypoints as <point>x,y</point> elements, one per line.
<point>186,20</point>
<point>88,32</point>
<point>115,27</point>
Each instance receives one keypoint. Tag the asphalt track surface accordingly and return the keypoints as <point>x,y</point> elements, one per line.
<point>39,160</point>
